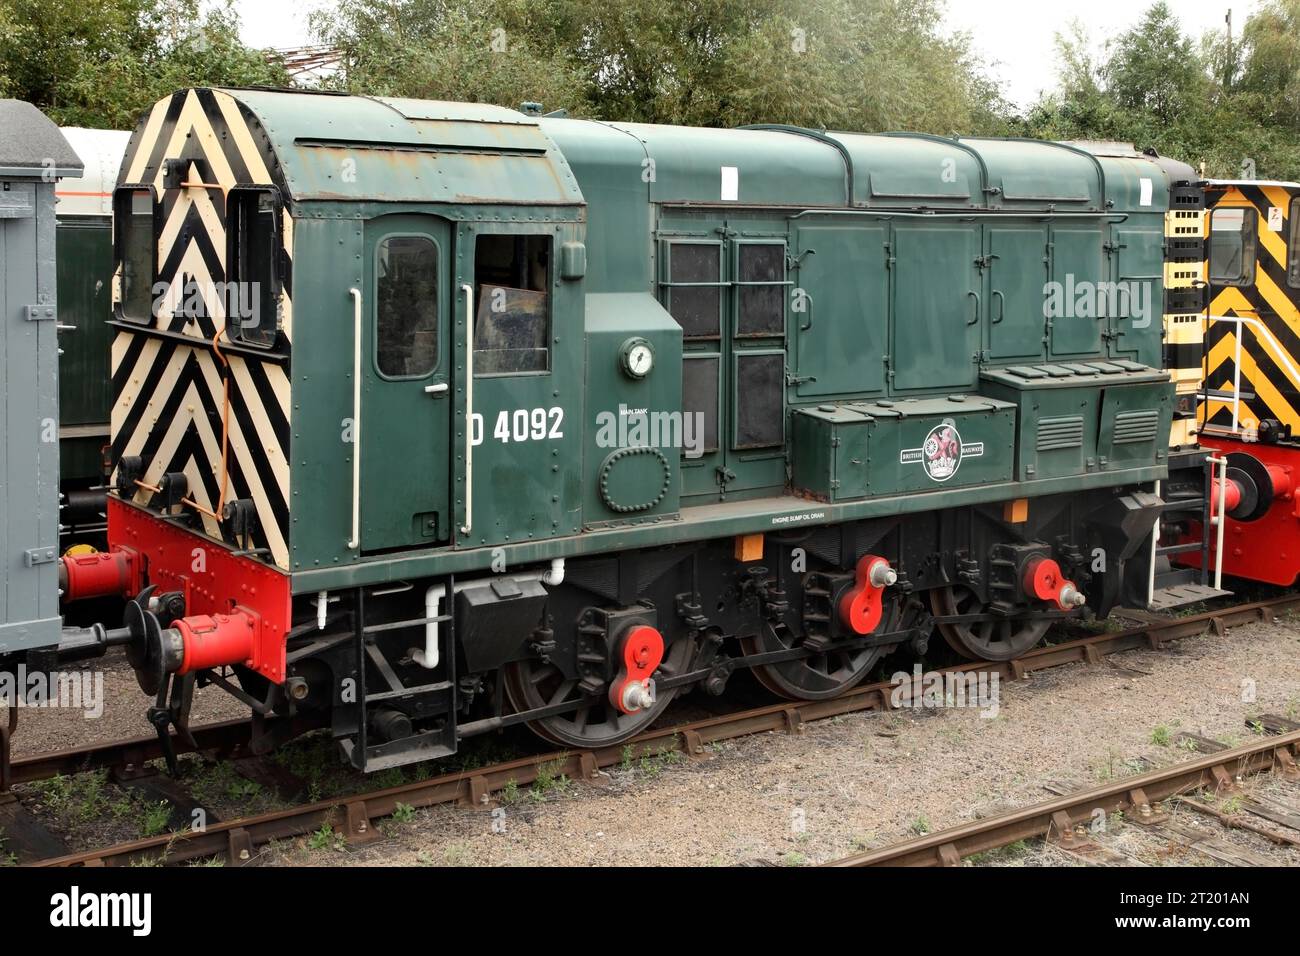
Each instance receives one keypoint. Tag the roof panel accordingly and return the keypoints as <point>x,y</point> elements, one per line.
<point>31,145</point>
<point>409,150</point>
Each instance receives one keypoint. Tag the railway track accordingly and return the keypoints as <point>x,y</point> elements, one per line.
<point>354,816</point>
<point>1066,818</point>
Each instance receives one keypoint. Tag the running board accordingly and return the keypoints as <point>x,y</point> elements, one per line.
<point>1181,595</point>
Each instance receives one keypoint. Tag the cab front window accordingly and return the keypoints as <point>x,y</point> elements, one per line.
<point>253,294</point>
<point>1232,246</point>
<point>136,250</point>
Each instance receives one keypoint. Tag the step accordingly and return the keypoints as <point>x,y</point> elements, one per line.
<point>1185,548</point>
<point>1176,578</point>
<point>1181,595</point>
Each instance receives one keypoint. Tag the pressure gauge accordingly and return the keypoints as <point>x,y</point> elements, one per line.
<point>637,357</point>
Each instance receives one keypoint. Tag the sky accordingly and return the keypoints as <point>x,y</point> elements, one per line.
<point>1016,36</point>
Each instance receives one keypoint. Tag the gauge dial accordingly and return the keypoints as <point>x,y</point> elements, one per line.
<point>637,357</point>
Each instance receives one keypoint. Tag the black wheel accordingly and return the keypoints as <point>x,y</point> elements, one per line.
<point>596,722</point>
<point>818,677</point>
<point>993,640</point>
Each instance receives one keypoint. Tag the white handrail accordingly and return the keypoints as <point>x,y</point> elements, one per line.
<point>1270,341</point>
<point>1155,545</point>
<point>355,540</point>
<point>469,408</point>
<point>1217,518</point>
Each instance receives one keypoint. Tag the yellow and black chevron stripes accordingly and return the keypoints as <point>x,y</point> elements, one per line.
<point>1270,310</point>
<point>1184,333</point>
<point>169,383</point>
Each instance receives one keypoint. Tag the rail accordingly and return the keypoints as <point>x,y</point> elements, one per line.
<point>353,816</point>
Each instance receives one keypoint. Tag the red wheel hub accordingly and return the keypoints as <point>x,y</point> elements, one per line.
<point>862,605</point>
<point>1044,580</point>
<point>640,652</point>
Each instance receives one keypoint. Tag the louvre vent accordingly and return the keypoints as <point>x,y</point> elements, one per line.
<point>1133,427</point>
<point>1057,433</point>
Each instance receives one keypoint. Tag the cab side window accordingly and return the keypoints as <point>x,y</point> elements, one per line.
<point>253,295</point>
<point>406,314</point>
<point>1233,240</point>
<point>512,321</point>
<point>136,251</point>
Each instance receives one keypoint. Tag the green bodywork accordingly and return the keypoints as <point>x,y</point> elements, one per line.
<point>85,267</point>
<point>1071,415</point>
<point>852,450</point>
<point>914,269</point>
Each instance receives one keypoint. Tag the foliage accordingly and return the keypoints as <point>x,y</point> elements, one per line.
<point>840,64</point>
<point>103,64</point>
<point>1204,102</point>
<point>850,64</point>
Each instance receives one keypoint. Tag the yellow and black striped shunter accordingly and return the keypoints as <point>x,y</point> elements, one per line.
<point>1249,406</point>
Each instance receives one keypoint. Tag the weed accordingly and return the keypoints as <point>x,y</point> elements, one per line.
<point>550,778</point>
<point>326,839</point>
<point>155,818</point>
<point>454,855</point>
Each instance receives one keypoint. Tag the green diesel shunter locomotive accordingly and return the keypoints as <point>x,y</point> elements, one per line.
<point>431,418</point>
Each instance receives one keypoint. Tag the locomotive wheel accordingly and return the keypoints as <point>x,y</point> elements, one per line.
<point>996,640</point>
<point>596,722</point>
<point>818,677</point>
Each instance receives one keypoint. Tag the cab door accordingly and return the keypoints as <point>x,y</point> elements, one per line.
<point>406,384</point>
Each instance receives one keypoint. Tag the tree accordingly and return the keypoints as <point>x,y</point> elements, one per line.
<point>1270,62</point>
<point>849,64</point>
<point>1154,69</point>
<point>105,63</point>
<point>448,50</point>
<point>1156,87</point>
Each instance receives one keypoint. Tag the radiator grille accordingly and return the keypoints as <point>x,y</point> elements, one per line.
<point>1133,427</point>
<point>1056,433</point>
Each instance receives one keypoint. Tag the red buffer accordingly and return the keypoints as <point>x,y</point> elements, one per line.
<point>114,573</point>
<point>1261,535</point>
<point>237,610</point>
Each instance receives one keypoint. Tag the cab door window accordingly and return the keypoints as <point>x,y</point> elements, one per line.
<point>406,306</point>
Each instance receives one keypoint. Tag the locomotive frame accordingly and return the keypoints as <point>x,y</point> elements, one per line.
<point>913,444</point>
